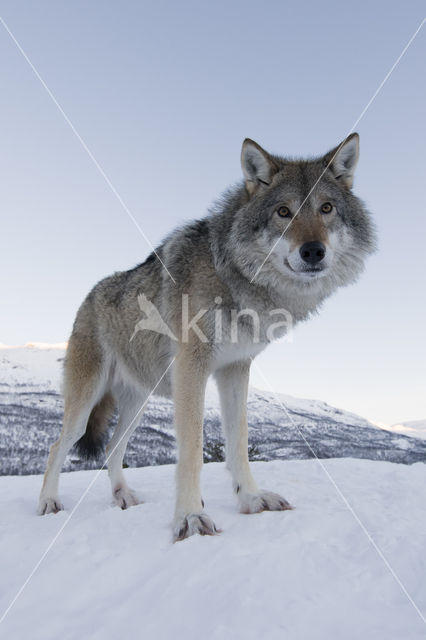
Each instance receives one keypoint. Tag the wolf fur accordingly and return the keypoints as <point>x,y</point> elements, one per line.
<point>285,238</point>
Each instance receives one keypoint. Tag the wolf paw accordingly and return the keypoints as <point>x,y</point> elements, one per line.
<point>49,505</point>
<point>263,501</point>
<point>194,523</point>
<point>125,497</point>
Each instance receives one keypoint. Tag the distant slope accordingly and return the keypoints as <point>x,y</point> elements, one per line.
<point>414,428</point>
<point>31,413</point>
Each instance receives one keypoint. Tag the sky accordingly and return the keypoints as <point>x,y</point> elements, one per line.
<point>163,94</point>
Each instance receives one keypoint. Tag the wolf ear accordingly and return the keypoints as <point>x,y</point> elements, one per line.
<point>343,160</point>
<point>257,165</point>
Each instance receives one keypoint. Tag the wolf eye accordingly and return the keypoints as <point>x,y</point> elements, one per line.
<point>284,212</point>
<point>327,207</point>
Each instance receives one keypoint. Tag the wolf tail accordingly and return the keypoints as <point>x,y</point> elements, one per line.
<point>92,443</point>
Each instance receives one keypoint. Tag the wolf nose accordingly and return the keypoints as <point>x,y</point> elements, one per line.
<point>312,252</point>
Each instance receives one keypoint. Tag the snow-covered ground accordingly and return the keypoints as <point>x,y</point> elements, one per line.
<point>307,574</point>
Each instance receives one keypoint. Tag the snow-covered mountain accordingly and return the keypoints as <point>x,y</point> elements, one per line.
<point>281,427</point>
<point>415,428</point>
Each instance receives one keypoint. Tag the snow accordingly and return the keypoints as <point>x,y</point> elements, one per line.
<point>414,428</point>
<point>32,365</point>
<point>307,574</point>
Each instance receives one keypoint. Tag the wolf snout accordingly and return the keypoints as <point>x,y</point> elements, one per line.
<point>312,252</point>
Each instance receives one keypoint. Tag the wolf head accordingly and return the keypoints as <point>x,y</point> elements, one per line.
<point>298,221</point>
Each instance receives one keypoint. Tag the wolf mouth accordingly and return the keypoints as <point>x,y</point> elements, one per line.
<point>311,272</point>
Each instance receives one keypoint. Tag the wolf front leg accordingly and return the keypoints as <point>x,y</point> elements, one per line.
<point>189,383</point>
<point>232,382</point>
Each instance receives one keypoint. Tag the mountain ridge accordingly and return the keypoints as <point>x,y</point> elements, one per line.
<point>280,426</point>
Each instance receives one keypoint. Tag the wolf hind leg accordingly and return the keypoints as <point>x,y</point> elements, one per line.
<point>84,388</point>
<point>131,406</point>
<point>232,382</point>
<point>76,417</point>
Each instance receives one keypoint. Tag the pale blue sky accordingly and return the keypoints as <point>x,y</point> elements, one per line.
<point>163,94</point>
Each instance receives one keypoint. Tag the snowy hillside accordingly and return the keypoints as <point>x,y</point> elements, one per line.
<point>280,427</point>
<point>414,428</point>
<point>307,574</point>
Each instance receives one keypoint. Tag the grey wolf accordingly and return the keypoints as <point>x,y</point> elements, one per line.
<point>252,255</point>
